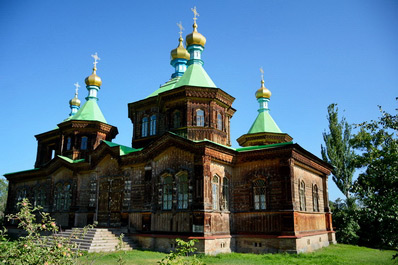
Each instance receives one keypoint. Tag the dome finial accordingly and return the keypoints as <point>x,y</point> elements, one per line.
<point>74,103</point>
<point>195,38</point>
<point>94,79</point>
<point>195,13</point>
<point>96,59</point>
<point>263,92</point>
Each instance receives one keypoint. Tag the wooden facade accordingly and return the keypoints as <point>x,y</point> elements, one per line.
<point>181,179</point>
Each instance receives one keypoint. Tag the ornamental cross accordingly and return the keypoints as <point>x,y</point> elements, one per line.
<point>195,13</point>
<point>262,73</point>
<point>96,59</point>
<point>181,28</point>
<point>77,87</point>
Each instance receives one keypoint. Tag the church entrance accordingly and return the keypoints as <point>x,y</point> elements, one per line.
<point>110,201</point>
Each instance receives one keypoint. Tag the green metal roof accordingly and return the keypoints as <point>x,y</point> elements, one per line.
<point>33,169</point>
<point>169,85</point>
<point>258,147</point>
<point>89,112</point>
<point>124,150</point>
<point>195,75</point>
<point>67,159</point>
<point>264,123</point>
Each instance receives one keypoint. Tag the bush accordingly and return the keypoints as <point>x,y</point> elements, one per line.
<point>35,248</point>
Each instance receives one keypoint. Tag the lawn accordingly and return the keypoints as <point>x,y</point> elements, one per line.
<point>335,254</point>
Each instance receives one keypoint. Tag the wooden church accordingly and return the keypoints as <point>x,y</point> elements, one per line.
<point>181,178</point>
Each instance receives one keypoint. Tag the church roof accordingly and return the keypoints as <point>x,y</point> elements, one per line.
<point>169,85</point>
<point>264,123</point>
<point>89,112</point>
<point>195,75</point>
<point>124,150</point>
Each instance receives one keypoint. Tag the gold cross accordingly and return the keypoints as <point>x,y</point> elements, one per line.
<point>96,59</point>
<point>195,14</point>
<point>181,28</point>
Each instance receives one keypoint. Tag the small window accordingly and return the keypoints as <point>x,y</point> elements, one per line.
<point>127,194</point>
<point>62,196</point>
<point>215,192</point>
<point>93,192</point>
<point>200,118</point>
<point>144,128</point>
<point>219,121</point>
<point>167,192</point>
<point>315,198</point>
<point>152,130</point>
<point>225,193</point>
<point>259,193</point>
<point>83,145</point>
<point>39,196</point>
<point>68,143</point>
<point>182,191</point>
<point>177,119</point>
<point>302,196</point>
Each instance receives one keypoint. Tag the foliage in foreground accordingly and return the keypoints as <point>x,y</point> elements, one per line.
<point>35,248</point>
<point>180,254</point>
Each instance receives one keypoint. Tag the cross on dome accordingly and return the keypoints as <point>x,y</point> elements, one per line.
<point>77,87</point>
<point>262,73</point>
<point>96,59</point>
<point>180,27</point>
<point>195,13</point>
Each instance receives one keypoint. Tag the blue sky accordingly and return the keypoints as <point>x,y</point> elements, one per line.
<point>313,53</point>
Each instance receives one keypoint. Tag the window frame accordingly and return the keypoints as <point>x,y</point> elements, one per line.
<point>182,190</point>
<point>152,125</point>
<point>215,192</point>
<point>200,118</point>
<point>315,198</point>
<point>167,186</point>
<point>259,194</point>
<point>302,197</point>
<point>144,126</point>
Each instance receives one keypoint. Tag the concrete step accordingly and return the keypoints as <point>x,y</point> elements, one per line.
<point>97,239</point>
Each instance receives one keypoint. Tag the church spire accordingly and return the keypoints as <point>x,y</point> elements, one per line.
<point>195,42</point>
<point>93,82</point>
<point>74,103</point>
<point>264,129</point>
<point>179,56</point>
<point>263,94</point>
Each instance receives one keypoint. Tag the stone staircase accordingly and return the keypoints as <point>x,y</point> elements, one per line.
<point>97,239</point>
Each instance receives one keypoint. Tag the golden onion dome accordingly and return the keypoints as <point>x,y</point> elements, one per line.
<point>74,102</point>
<point>93,79</point>
<point>195,37</point>
<point>180,52</point>
<point>263,92</point>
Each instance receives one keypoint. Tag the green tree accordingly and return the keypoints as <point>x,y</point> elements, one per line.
<point>338,150</point>
<point>377,185</point>
<point>3,197</point>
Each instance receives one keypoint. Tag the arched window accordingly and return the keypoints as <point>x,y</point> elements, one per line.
<point>225,193</point>
<point>182,190</point>
<point>68,143</point>
<point>177,119</point>
<point>167,192</point>
<point>152,130</point>
<point>315,198</point>
<point>200,117</point>
<point>302,195</point>
<point>83,145</point>
<point>259,193</point>
<point>215,192</point>
<point>144,128</point>
<point>39,196</point>
<point>219,121</point>
<point>62,196</point>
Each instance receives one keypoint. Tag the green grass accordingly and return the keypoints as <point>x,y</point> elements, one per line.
<point>335,254</point>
